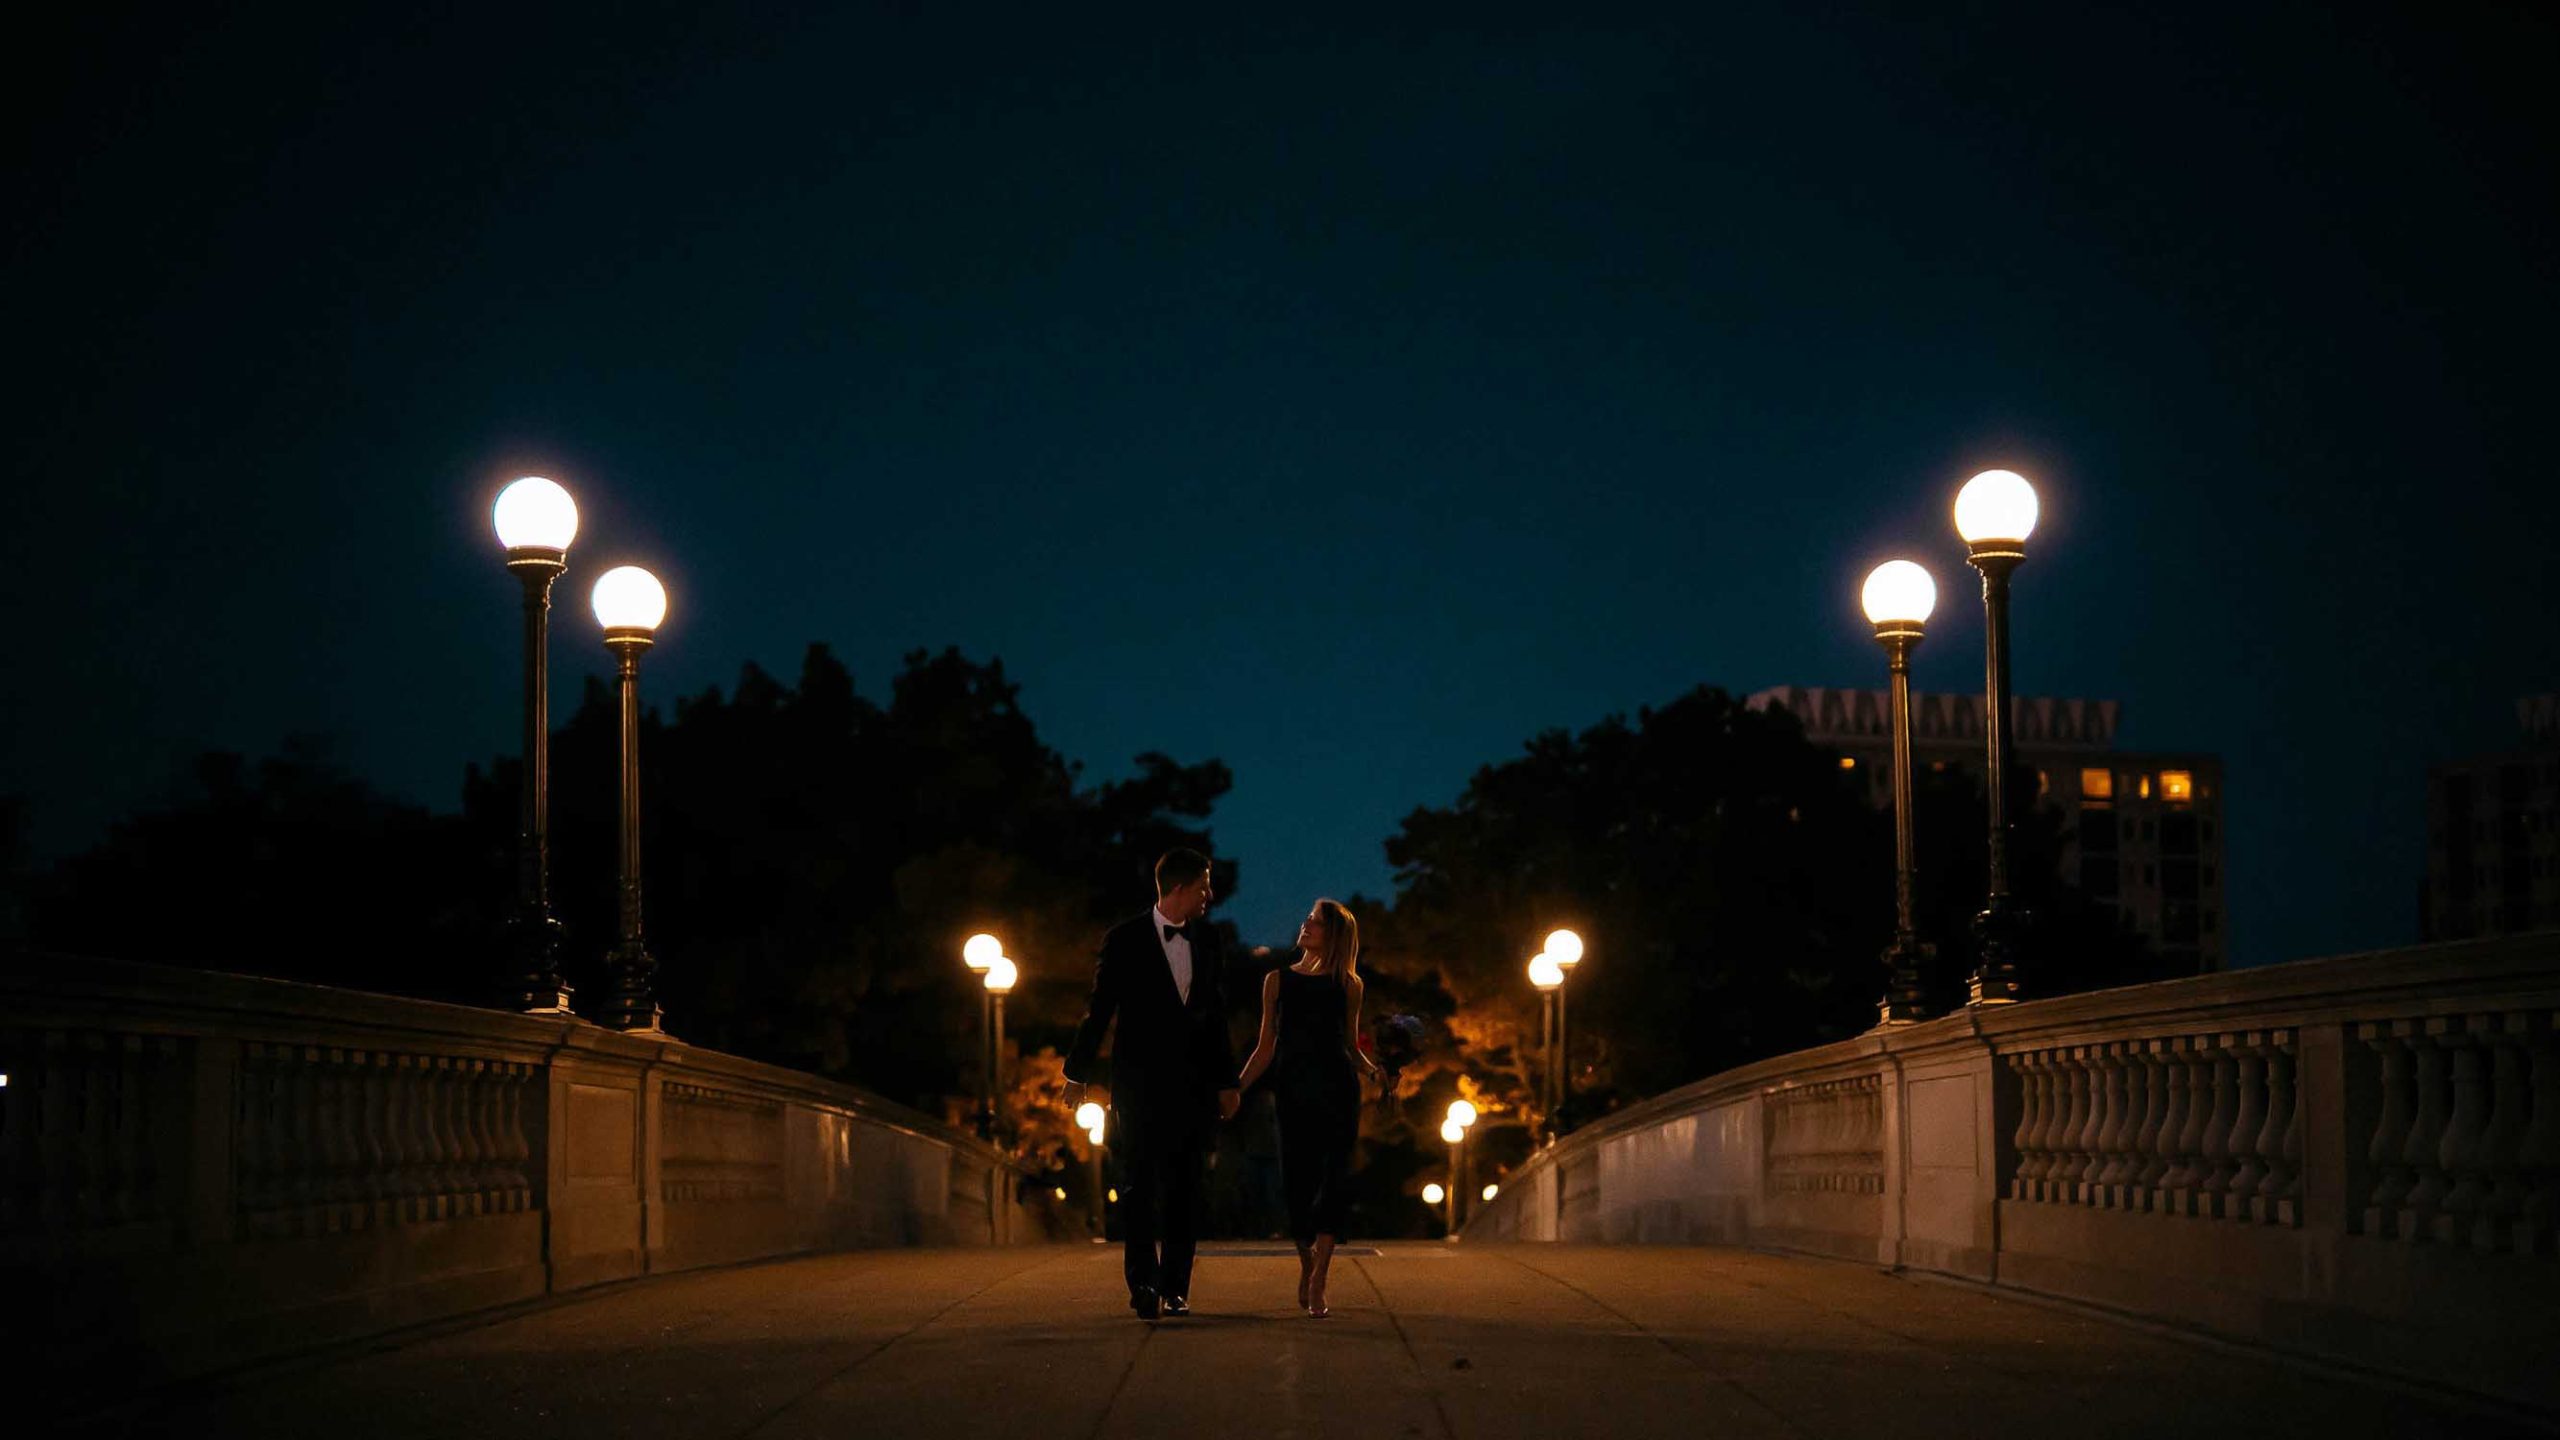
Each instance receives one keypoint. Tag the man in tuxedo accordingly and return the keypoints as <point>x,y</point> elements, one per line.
<point>1160,976</point>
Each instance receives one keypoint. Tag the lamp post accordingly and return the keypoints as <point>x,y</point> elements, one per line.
<point>630,604</point>
<point>1995,513</point>
<point>1091,1118</point>
<point>1548,976</point>
<point>1002,974</point>
<point>1454,1130</point>
<point>979,953</point>
<point>1435,1195</point>
<point>1898,597</point>
<point>1565,948</point>
<point>535,520</point>
<point>1456,1135</point>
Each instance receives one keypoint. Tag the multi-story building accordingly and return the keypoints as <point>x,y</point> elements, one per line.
<point>2146,827</point>
<point>2493,835</point>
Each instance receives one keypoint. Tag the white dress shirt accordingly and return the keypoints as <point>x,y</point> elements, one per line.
<point>1177,953</point>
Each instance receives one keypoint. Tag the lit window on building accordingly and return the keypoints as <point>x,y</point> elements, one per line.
<point>2177,786</point>
<point>2142,787</point>
<point>2097,784</point>
<point>1848,762</point>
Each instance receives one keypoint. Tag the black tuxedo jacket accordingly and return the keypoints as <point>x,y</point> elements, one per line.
<point>1169,1057</point>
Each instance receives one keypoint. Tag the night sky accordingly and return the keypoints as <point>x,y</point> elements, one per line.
<point>1347,400</point>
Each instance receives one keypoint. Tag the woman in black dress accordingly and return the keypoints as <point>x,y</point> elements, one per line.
<point>1310,1012</point>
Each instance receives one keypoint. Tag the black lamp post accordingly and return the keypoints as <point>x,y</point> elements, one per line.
<point>1001,975</point>
<point>1898,598</point>
<point>980,953</point>
<point>630,604</point>
<point>1548,977</point>
<point>1995,512</point>
<point>535,520</point>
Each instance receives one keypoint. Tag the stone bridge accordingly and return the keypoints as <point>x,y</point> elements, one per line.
<point>2319,1195</point>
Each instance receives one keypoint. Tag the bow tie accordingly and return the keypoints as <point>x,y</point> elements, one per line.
<point>1176,932</point>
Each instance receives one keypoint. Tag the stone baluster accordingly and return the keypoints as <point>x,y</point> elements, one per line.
<point>2053,1104</point>
<point>2538,1228</point>
<point>480,1090</point>
<point>441,1093</point>
<point>2087,1160</point>
<point>2219,1166</point>
<point>2463,1154</point>
<point>248,1131</point>
<point>419,1180</point>
<point>2283,1170</point>
<point>2249,1168</point>
<point>2180,1177</point>
<point>2108,1167</point>
<point>2424,1153</point>
<point>2151,1155</point>
<point>373,1144</point>
<point>516,1124</point>
<point>2079,1108</point>
<point>2393,1179</point>
<point>2502,1145</point>
<point>341,1074</point>
<point>2030,1113</point>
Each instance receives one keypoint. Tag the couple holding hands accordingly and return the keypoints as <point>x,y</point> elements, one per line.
<point>1158,989</point>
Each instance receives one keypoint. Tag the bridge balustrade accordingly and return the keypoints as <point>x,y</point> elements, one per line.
<point>200,1169</point>
<point>2356,1158</point>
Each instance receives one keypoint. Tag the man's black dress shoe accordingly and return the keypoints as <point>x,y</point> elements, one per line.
<point>1143,1300</point>
<point>1176,1305</point>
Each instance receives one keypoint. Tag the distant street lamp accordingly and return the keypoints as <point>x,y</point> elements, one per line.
<point>1995,513</point>
<point>630,604</point>
<point>1898,597</point>
<point>980,953</point>
<point>1548,976</point>
<point>1092,1119</point>
<point>1565,948</point>
<point>535,520</point>
<point>1454,1130</point>
<point>1492,1190</point>
<point>1002,974</point>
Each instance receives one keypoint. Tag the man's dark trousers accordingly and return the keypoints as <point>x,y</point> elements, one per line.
<point>1160,1166</point>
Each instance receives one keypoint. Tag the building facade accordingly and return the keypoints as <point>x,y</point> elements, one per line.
<point>2144,828</point>
<point>2493,835</point>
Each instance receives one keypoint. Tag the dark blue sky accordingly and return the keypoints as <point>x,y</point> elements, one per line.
<point>1344,400</point>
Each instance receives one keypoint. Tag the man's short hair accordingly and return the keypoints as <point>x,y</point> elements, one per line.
<point>1177,868</point>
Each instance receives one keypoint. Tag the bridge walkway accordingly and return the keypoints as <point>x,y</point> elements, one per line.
<point>1450,1342</point>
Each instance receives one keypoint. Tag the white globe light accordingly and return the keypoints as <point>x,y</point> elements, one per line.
<point>1089,1116</point>
<point>1544,972</point>
<point>1565,948</point>
<point>1093,1133</point>
<point>1898,591</point>
<point>1432,1194</point>
<point>1452,1132</point>
<point>1461,1113</point>
<point>630,598</point>
<point>981,951</point>
<point>1492,1190</point>
<point>1996,505</point>
<point>1001,975</point>
<point>535,514</point>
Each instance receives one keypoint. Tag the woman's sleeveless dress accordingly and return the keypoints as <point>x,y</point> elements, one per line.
<point>1316,1089</point>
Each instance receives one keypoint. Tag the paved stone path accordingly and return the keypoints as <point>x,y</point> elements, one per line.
<point>1425,1341</point>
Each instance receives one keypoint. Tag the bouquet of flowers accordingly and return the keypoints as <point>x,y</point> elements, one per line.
<point>1393,1042</point>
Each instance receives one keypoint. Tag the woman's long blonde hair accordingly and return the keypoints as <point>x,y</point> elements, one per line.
<point>1341,955</point>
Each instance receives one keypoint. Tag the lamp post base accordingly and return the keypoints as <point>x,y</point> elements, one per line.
<point>537,988</point>
<point>1906,996</point>
<point>631,1005</point>
<point>1995,979</point>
